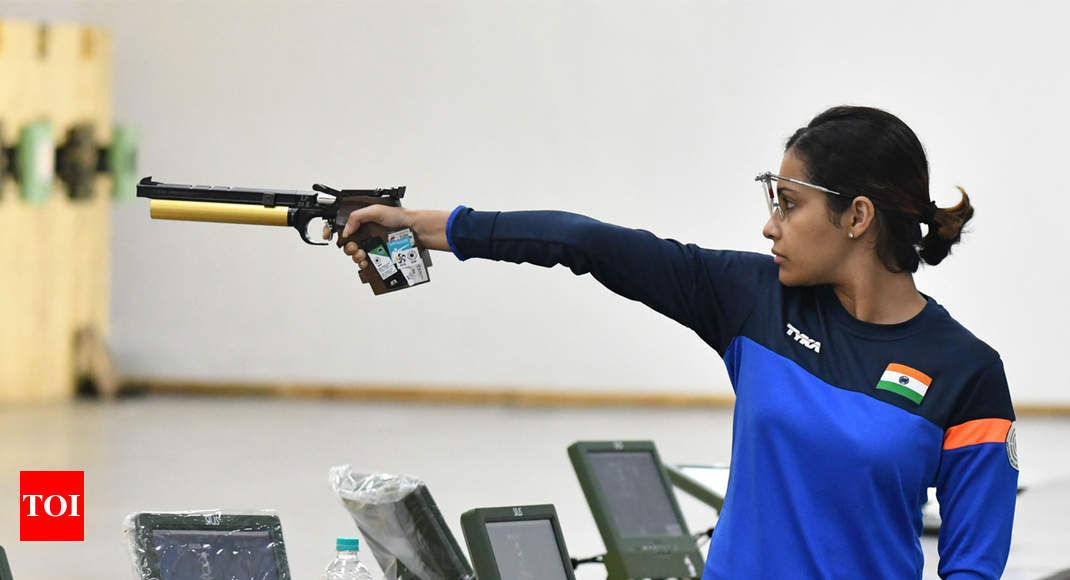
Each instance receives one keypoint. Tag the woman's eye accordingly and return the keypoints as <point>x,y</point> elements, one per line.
<point>787,204</point>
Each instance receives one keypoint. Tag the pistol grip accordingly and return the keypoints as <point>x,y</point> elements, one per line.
<point>369,230</point>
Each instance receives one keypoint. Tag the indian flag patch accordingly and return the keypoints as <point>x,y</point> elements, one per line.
<point>903,380</point>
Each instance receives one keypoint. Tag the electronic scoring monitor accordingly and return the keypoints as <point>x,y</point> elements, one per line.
<point>632,502</point>
<point>5,571</point>
<point>184,546</point>
<point>516,543</point>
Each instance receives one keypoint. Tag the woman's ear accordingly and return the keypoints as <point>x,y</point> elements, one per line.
<point>860,215</point>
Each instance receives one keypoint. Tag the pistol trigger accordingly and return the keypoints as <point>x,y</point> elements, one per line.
<point>302,229</point>
<point>304,236</point>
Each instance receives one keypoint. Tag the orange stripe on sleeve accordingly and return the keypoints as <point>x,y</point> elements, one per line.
<point>904,369</point>
<point>976,431</point>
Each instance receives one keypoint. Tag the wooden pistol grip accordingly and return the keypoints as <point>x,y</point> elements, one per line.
<point>369,230</point>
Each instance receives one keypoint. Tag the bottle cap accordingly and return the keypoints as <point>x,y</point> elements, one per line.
<point>347,544</point>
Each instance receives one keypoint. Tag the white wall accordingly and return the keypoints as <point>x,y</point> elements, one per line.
<point>647,114</point>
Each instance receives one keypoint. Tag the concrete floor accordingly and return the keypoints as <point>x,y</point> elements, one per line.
<point>179,453</point>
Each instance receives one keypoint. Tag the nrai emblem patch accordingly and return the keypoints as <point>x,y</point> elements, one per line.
<point>1012,447</point>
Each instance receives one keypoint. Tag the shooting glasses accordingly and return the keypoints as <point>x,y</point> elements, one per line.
<point>765,181</point>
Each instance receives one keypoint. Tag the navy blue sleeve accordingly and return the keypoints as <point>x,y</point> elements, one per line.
<point>977,483</point>
<point>710,291</point>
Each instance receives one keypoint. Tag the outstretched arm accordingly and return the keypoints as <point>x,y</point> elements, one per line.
<point>709,291</point>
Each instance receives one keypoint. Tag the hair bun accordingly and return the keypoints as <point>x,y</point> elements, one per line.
<point>929,213</point>
<point>945,229</point>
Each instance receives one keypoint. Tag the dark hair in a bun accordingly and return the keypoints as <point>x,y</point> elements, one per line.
<point>870,152</point>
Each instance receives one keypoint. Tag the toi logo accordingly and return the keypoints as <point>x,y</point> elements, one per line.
<point>52,506</point>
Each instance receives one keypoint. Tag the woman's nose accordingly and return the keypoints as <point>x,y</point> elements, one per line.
<point>771,231</point>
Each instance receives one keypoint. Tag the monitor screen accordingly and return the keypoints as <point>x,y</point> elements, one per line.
<point>636,494</point>
<point>5,571</point>
<point>526,550</point>
<point>233,555</point>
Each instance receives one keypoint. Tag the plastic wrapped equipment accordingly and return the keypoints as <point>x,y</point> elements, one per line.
<point>206,544</point>
<point>402,525</point>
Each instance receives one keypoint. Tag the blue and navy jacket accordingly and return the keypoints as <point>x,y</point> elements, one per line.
<point>840,425</point>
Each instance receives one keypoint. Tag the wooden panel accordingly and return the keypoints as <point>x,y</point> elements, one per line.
<point>454,395</point>
<point>54,256</point>
<point>20,103</point>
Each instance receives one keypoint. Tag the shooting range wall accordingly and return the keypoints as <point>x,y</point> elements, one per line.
<point>54,253</point>
<point>629,112</point>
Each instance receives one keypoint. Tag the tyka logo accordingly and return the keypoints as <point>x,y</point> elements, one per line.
<point>803,339</point>
<point>52,506</point>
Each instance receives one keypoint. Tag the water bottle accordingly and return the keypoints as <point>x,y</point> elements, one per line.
<point>346,565</point>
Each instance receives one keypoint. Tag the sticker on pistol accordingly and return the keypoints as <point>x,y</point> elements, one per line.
<point>411,265</point>
<point>407,256</point>
<point>398,241</point>
<point>383,264</point>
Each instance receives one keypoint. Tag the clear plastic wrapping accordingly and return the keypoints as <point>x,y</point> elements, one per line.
<point>244,545</point>
<point>402,525</point>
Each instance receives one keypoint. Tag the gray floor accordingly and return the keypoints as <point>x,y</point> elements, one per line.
<point>171,453</point>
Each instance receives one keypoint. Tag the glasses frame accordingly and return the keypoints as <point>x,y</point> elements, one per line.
<point>770,196</point>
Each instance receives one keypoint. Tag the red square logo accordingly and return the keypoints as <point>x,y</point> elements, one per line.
<point>52,506</point>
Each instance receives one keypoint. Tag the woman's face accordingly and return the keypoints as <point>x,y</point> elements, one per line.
<point>808,247</point>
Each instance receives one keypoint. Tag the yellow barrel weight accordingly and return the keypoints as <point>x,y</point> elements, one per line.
<point>229,213</point>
